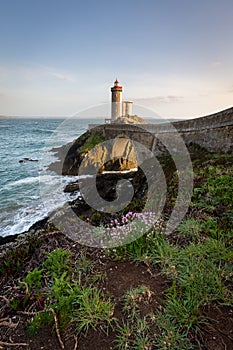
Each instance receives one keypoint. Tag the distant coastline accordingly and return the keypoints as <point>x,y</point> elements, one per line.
<point>31,117</point>
<point>6,117</point>
<point>147,119</point>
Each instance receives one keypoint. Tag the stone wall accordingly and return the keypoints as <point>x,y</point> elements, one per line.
<point>213,132</point>
<point>133,132</point>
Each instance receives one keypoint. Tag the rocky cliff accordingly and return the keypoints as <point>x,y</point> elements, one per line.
<point>92,154</point>
<point>130,119</point>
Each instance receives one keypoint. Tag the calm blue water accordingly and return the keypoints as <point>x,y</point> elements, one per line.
<point>20,197</point>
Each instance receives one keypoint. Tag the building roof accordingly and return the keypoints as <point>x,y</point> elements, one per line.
<point>116,84</point>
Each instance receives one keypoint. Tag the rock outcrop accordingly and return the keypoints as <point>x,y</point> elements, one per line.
<point>111,155</point>
<point>130,119</point>
<point>27,160</point>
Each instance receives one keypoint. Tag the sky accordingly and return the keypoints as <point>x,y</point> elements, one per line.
<point>60,57</point>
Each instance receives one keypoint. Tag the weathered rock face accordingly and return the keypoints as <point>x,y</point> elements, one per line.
<point>131,119</point>
<point>112,155</point>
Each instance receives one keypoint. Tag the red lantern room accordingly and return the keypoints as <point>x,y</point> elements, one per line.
<point>116,84</point>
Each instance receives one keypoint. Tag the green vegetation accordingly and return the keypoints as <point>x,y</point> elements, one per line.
<point>73,302</point>
<point>199,269</point>
<point>134,297</point>
<point>41,320</point>
<point>92,141</point>
<point>13,264</point>
<point>33,279</point>
<point>135,334</point>
<point>58,263</point>
<point>195,261</point>
<point>196,280</point>
<point>92,310</point>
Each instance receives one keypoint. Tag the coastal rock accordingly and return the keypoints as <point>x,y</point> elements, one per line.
<point>107,163</point>
<point>130,119</point>
<point>72,187</point>
<point>113,155</point>
<point>106,186</point>
<point>27,160</point>
<point>83,157</point>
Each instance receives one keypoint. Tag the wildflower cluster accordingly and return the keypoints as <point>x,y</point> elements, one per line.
<point>127,228</point>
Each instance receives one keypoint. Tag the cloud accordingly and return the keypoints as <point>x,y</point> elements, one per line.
<point>58,74</point>
<point>215,64</point>
<point>30,74</point>
<point>61,76</point>
<point>159,99</point>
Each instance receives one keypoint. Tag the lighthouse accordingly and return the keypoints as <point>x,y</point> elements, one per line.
<point>116,100</point>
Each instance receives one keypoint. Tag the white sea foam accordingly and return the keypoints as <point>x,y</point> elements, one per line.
<point>120,171</point>
<point>21,204</point>
<point>27,180</point>
<point>23,220</point>
<point>53,198</point>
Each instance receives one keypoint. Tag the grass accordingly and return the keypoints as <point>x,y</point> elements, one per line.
<point>134,335</point>
<point>40,321</point>
<point>191,227</point>
<point>196,259</point>
<point>92,141</point>
<point>92,310</point>
<point>73,302</point>
<point>199,271</point>
<point>134,297</point>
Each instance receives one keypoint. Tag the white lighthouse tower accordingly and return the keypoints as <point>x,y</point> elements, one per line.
<point>116,100</point>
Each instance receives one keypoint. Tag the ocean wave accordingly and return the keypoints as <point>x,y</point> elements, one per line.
<point>27,180</point>
<point>23,220</point>
<point>32,180</point>
<point>44,131</point>
<point>34,209</point>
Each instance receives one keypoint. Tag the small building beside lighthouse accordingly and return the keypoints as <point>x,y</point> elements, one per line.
<point>127,108</point>
<point>116,101</point>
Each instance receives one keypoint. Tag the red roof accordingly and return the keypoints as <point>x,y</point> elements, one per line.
<point>116,84</point>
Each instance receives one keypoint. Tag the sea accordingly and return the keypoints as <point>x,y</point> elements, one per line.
<point>26,146</point>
